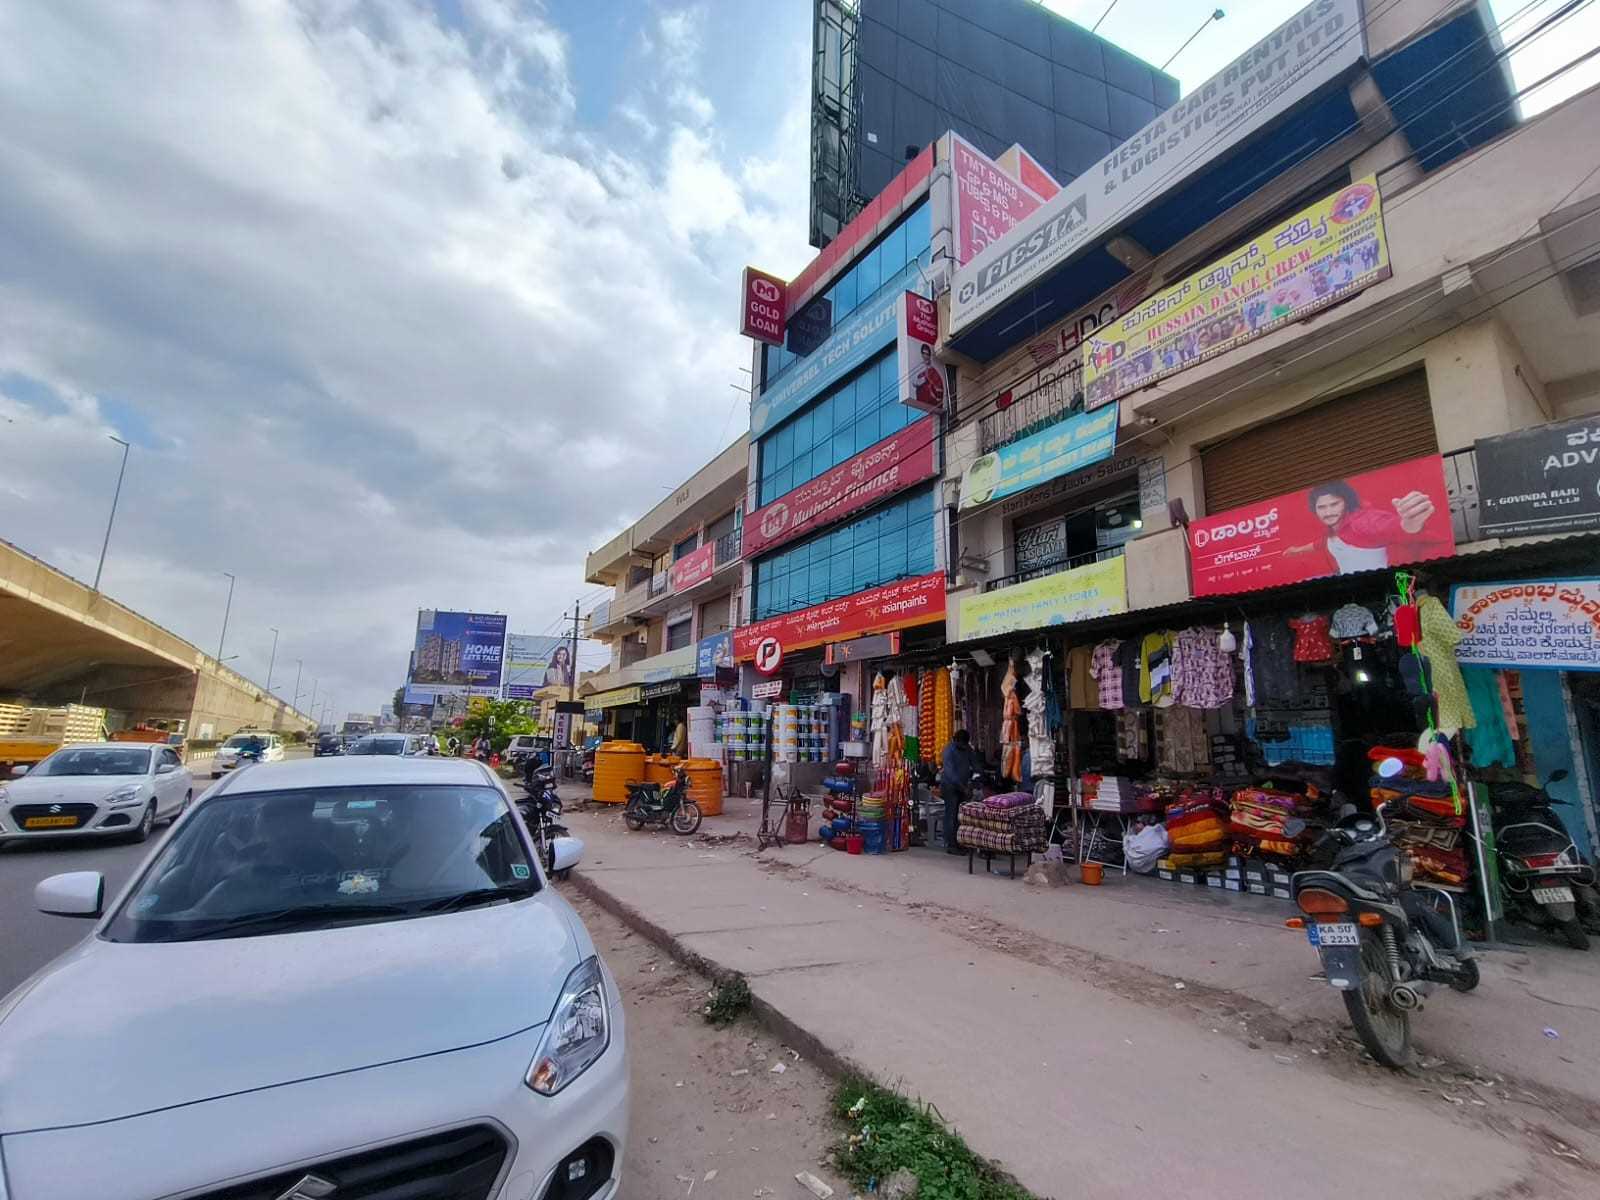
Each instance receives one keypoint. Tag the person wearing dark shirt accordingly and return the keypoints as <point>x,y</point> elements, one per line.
<point>958,766</point>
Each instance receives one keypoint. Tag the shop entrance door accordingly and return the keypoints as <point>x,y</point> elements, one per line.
<point>1584,687</point>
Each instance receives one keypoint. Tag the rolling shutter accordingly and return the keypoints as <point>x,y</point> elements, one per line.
<point>1386,423</point>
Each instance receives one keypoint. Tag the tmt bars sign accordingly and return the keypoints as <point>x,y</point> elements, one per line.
<point>1302,56</point>
<point>988,202</point>
<point>765,299</point>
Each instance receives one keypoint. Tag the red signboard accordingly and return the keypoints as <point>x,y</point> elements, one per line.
<point>892,465</point>
<point>922,383</point>
<point>917,601</point>
<point>1034,176</point>
<point>988,201</point>
<point>694,567</point>
<point>765,300</point>
<point>1368,522</point>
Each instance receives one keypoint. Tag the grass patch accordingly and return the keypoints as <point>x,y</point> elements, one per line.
<point>729,1001</point>
<point>888,1131</point>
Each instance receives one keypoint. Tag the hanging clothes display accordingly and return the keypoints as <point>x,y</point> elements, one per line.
<point>1438,643</point>
<point>1272,661</point>
<point>1490,739</point>
<point>1083,690</point>
<point>1203,674</point>
<point>1011,726</point>
<point>1041,745</point>
<point>1155,669</point>
<point>1353,621</point>
<point>1311,641</point>
<point>880,718</point>
<point>1107,673</point>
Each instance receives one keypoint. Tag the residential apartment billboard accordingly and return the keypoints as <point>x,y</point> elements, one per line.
<point>457,654</point>
<point>535,662</point>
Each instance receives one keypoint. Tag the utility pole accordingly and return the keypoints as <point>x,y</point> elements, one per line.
<point>223,637</point>
<point>572,686</point>
<point>115,496</point>
<point>273,661</point>
<point>314,695</point>
<point>295,703</point>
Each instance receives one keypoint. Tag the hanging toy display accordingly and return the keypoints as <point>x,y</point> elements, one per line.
<point>1433,744</point>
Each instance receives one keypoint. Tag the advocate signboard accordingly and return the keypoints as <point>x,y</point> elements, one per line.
<point>988,201</point>
<point>894,464</point>
<point>1097,589</point>
<point>765,301</point>
<point>1524,623</point>
<point>535,662</point>
<point>1302,56</point>
<point>854,340</point>
<point>915,601</point>
<point>694,567</point>
<point>1322,255</point>
<point>458,653</point>
<point>922,381</point>
<point>1078,441</point>
<point>1540,480</point>
<point>1368,522</point>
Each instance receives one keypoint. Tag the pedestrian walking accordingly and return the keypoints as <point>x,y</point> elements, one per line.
<point>958,766</point>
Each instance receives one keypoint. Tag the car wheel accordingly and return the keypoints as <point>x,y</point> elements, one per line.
<point>182,808</point>
<point>147,822</point>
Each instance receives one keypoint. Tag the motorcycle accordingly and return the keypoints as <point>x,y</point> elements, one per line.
<point>541,811</point>
<point>649,805</point>
<point>1544,881</point>
<point>1384,940</point>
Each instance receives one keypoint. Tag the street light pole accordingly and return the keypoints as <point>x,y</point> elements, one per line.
<point>223,637</point>
<point>295,703</point>
<point>313,696</point>
<point>115,496</point>
<point>1216,15</point>
<point>273,661</point>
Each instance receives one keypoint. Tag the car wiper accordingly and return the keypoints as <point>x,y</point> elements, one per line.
<point>485,895</point>
<point>265,922</point>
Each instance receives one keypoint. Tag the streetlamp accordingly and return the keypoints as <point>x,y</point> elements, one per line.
<point>115,496</point>
<point>313,706</point>
<point>223,636</point>
<point>295,703</point>
<point>273,661</point>
<point>1216,15</point>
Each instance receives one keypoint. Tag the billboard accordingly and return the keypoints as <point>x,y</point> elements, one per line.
<point>1549,623</point>
<point>695,567</point>
<point>457,653</point>
<point>765,299</point>
<point>1322,255</point>
<point>915,601</point>
<point>1368,522</point>
<point>1540,480</point>
<point>535,662</point>
<point>713,654</point>
<point>1077,441</point>
<point>1096,589</point>
<point>896,463</point>
<point>1302,56</point>
<point>922,380</point>
<point>988,201</point>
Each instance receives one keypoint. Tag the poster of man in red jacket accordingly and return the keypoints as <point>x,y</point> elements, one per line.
<point>1367,522</point>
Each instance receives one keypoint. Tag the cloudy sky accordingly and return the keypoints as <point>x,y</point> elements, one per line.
<point>401,304</point>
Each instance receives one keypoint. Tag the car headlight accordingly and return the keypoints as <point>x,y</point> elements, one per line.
<point>577,1034</point>
<point>124,795</point>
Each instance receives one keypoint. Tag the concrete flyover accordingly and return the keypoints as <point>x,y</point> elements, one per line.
<point>61,642</point>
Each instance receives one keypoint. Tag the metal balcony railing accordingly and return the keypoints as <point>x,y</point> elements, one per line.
<point>1064,563</point>
<point>659,583</point>
<point>730,546</point>
<point>1031,411</point>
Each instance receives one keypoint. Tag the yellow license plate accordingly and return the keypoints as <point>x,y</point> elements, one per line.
<point>50,823</point>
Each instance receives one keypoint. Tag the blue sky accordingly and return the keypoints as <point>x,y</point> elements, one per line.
<point>408,304</point>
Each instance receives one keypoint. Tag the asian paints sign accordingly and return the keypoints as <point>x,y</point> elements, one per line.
<point>916,601</point>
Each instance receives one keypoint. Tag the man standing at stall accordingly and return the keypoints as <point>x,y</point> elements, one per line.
<point>958,766</point>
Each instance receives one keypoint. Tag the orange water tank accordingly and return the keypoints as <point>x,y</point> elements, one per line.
<point>617,764</point>
<point>705,784</point>
<point>658,768</point>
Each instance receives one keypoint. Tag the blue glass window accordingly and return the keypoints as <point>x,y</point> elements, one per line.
<point>892,542</point>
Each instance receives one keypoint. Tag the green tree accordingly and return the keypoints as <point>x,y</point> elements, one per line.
<point>501,720</point>
<point>399,700</point>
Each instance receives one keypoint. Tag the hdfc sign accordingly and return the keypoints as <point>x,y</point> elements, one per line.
<point>764,300</point>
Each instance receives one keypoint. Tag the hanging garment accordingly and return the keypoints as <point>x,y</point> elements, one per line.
<point>1510,708</point>
<point>1353,621</point>
<point>1246,648</point>
<point>1407,625</point>
<point>1489,740</point>
<point>1311,641</point>
<point>1108,674</point>
<point>1133,745</point>
<point>1439,638</point>
<point>1203,673</point>
<point>1081,686</point>
<point>1131,661</point>
<point>1272,661</point>
<point>1155,669</point>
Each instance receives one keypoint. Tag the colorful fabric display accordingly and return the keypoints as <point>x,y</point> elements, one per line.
<point>1182,862</point>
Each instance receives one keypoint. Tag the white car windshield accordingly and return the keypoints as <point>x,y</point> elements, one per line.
<point>245,741</point>
<point>99,760</point>
<point>378,745</point>
<point>275,862</point>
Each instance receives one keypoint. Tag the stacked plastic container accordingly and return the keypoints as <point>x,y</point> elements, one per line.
<point>703,740</point>
<point>744,735</point>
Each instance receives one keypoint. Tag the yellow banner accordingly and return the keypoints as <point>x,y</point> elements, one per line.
<point>1094,590</point>
<point>1320,256</point>
<point>614,698</point>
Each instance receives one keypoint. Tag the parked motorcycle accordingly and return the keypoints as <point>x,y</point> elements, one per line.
<point>541,811</point>
<point>648,804</point>
<point>1384,940</point>
<point>1544,881</point>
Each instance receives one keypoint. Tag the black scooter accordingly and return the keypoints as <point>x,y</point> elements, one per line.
<point>648,804</point>
<point>541,811</point>
<point>1544,881</point>
<point>1384,941</point>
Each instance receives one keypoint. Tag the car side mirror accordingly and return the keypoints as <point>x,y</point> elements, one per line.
<point>565,853</point>
<point>18,772</point>
<point>71,894</point>
<point>166,768</point>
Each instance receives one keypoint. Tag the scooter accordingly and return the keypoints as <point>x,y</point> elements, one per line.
<point>1384,940</point>
<point>541,810</point>
<point>649,805</point>
<point>1544,881</point>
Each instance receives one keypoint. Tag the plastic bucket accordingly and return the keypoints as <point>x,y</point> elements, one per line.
<point>853,843</point>
<point>1091,873</point>
<point>872,837</point>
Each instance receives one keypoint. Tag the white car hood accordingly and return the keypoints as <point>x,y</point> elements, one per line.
<point>68,789</point>
<point>112,1029</point>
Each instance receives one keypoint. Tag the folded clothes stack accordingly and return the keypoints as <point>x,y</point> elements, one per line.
<point>1258,821</point>
<point>1010,829</point>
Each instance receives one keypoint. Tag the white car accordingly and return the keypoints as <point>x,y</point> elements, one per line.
<point>406,744</point>
<point>267,747</point>
<point>97,789</point>
<point>337,976</point>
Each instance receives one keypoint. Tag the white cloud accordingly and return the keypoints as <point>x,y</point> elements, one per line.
<point>409,336</point>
